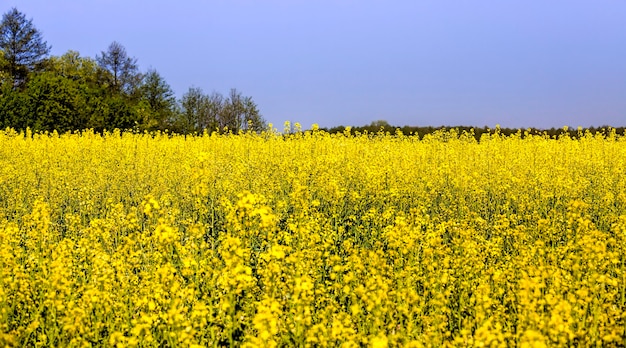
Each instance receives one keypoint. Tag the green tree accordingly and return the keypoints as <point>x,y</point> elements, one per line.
<point>56,102</point>
<point>158,103</point>
<point>72,66</point>
<point>23,46</point>
<point>69,95</point>
<point>122,79</point>
<point>66,96</point>
<point>118,113</point>
<point>14,108</point>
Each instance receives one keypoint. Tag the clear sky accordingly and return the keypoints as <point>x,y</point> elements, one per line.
<point>533,63</point>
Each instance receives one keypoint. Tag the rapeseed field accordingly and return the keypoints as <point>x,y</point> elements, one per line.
<point>312,239</point>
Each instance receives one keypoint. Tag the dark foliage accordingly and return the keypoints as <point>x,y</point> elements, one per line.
<point>476,132</point>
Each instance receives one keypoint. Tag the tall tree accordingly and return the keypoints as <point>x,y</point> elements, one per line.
<point>77,79</point>
<point>215,103</point>
<point>125,76</point>
<point>241,113</point>
<point>201,111</point>
<point>23,46</point>
<point>159,101</point>
<point>192,105</point>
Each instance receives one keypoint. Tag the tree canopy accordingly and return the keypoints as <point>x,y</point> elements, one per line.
<point>72,92</point>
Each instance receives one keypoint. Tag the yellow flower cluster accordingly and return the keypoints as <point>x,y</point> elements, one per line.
<point>312,239</point>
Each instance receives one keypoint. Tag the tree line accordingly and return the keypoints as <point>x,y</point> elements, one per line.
<point>382,126</point>
<point>73,92</point>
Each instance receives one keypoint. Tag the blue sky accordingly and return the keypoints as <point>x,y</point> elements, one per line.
<point>346,62</point>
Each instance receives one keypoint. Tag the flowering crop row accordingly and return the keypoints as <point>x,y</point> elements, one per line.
<point>312,239</point>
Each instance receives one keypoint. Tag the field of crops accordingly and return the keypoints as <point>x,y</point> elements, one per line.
<point>309,239</point>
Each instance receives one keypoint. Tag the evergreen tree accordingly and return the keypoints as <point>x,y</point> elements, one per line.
<point>22,44</point>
